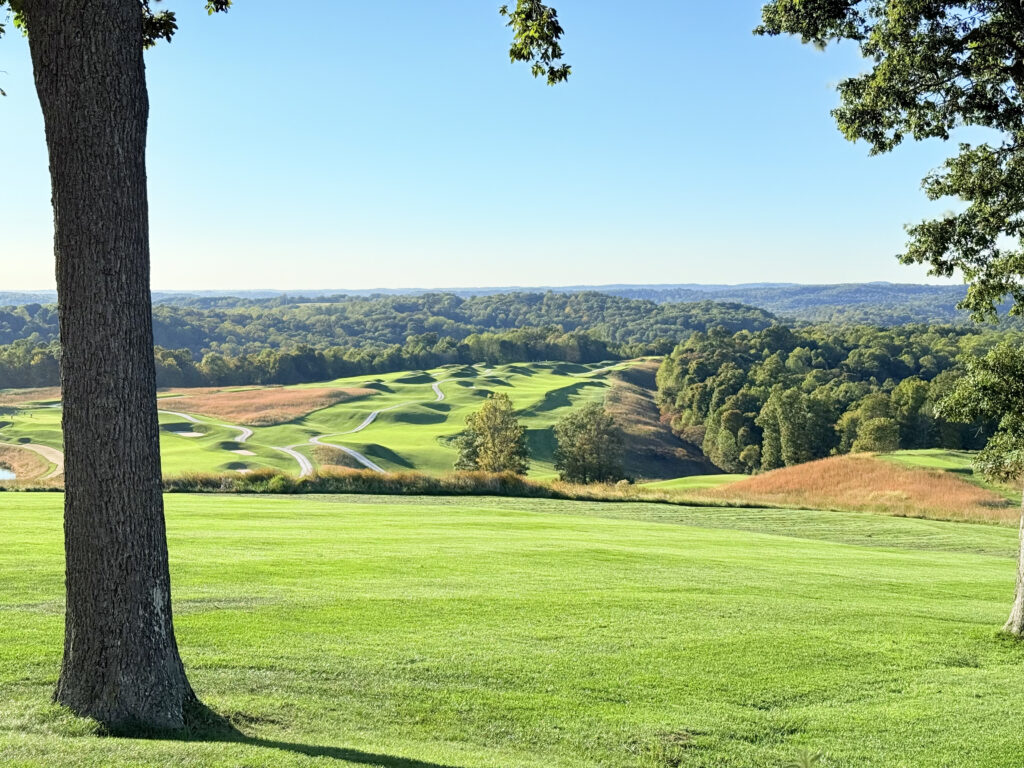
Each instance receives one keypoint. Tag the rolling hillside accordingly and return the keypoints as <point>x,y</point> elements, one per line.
<point>393,423</point>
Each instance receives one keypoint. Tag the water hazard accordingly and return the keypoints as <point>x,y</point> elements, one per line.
<point>6,474</point>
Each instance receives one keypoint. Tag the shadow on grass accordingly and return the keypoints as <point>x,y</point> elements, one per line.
<point>205,725</point>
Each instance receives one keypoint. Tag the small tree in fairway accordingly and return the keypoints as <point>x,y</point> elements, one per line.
<point>494,440</point>
<point>589,446</point>
<point>121,663</point>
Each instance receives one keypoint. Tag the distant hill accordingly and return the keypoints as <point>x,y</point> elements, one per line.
<point>886,304</point>
<point>871,303</point>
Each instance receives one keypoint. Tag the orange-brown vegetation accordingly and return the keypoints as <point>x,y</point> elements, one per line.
<point>863,483</point>
<point>262,407</point>
<point>651,451</point>
<point>26,465</point>
<point>329,456</point>
<point>11,397</point>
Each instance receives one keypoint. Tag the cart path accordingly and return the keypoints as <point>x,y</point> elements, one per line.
<point>244,433</point>
<point>369,463</point>
<point>305,465</point>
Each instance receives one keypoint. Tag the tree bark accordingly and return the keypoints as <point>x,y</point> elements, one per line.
<point>121,664</point>
<point>1015,624</point>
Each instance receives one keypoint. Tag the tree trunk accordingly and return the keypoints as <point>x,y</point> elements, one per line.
<point>121,663</point>
<point>1015,624</point>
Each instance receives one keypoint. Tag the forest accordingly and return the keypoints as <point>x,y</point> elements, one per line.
<point>784,396</point>
<point>223,341</point>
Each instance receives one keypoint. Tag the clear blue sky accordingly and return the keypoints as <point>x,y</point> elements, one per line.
<point>392,144</point>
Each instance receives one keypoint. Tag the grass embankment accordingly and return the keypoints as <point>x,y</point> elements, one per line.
<point>261,407</point>
<point>856,483</point>
<point>650,449</point>
<point>960,463</point>
<point>28,467</point>
<point>346,480</point>
<point>456,633</point>
<point>866,483</point>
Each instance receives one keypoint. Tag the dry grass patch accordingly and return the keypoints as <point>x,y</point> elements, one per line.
<point>863,483</point>
<point>26,465</point>
<point>651,450</point>
<point>12,397</point>
<point>329,456</point>
<point>264,407</point>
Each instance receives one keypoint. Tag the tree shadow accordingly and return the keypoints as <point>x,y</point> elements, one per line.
<point>205,725</point>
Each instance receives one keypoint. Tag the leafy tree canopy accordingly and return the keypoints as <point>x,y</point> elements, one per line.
<point>993,390</point>
<point>936,66</point>
<point>494,440</point>
<point>589,446</point>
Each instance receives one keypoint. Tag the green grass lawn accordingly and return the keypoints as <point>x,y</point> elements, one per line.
<point>696,482</point>
<point>471,633</point>
<point>414,432</point>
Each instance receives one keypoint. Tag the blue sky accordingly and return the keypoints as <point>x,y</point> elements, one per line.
<point>392,144</point>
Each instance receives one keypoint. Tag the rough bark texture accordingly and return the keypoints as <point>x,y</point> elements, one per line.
<point>1015,624</point>
<point>121,663</point>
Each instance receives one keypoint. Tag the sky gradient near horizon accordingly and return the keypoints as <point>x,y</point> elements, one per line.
<point>388,144</point>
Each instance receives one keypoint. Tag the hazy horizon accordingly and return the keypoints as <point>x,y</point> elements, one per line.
<point>340,164</point>
<point>517,288</point>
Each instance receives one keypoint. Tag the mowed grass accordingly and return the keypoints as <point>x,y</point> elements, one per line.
<point>696,482</point>
<point>500,633</point>
<point>413,431</point>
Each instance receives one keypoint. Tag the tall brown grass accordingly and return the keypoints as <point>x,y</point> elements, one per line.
<point>12,397</point>
<point>863,483</point>
<point>650,449</point>
<point>262,407</point>
<point>332,480</point>
<point>330,456</point>
<point>27,466</point>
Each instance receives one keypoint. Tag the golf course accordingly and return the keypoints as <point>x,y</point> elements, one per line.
<point>391,423</point>
<point>370,632</point>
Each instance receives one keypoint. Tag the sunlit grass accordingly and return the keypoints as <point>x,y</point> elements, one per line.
<point>489,633</point>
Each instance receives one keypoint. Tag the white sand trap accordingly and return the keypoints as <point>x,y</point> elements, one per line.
<point>245,453</point>
<point>188,434</point>
<point>243,471</point>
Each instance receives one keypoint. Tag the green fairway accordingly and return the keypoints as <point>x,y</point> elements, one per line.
<point>497,633</point>
<point>407,424</point>
<point>696,482</point>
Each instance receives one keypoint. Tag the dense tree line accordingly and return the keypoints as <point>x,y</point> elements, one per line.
<point>33,364</point>
<point>885,304</point>
<point>778,397</point>
<point>236,327</point>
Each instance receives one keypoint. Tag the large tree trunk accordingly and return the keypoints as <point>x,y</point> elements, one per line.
<point>121,663</point>
<point>1015,624</point>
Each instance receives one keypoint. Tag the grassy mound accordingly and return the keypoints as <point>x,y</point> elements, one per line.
<point>866,483</point>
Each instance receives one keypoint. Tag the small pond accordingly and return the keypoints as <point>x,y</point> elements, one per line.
<point>6,474</point>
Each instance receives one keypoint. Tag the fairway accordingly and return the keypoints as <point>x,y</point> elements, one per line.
<point>396,422</point>
<point>696,482</point>
<point>470,633</point>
